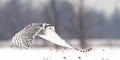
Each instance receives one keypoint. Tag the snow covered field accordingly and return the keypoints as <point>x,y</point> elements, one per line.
<point>62,54</point>
<point>101,51</point>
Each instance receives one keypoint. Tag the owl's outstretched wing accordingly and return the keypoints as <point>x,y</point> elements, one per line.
<point>24,38</point>
<point>53,37</point>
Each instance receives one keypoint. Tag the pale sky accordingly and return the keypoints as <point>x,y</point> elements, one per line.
<point>106,6</point>
<point>3,2</point>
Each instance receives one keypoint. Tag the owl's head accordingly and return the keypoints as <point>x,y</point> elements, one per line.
<point>48,27</point>
<point>45,27</point>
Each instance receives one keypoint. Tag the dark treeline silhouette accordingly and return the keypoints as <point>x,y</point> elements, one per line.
<point>14,17</point>
<point>100,26</point>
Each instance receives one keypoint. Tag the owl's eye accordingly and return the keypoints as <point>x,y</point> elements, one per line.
<point>50,28</point>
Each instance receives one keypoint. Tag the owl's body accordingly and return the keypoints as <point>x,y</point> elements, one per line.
<point>24,38</point>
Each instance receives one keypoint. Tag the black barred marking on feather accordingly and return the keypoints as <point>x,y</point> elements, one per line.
<point>84,50</point>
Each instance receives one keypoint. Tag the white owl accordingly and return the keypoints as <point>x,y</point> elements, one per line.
<point>24,38</point>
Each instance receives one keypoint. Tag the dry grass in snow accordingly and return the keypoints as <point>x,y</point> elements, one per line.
<point>53,54</point>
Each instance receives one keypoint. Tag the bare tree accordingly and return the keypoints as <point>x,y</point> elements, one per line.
<point>53,6</point>
<point>81,24</point>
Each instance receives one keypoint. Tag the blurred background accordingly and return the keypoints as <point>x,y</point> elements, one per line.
<point>82,23</point>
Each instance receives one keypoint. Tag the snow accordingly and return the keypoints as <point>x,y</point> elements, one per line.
<point>61,54</point>
<point>99,52</point>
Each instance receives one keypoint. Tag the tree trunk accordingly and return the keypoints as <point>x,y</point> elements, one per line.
<point>55,21</point>
<point>53,5</point>
<point>81,24</point>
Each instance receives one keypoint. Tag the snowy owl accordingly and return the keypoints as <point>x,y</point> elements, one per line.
<point>24,38</point>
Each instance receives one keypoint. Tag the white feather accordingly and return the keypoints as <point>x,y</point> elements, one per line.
<point>53,37</point>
